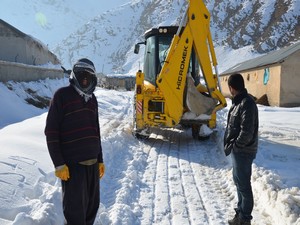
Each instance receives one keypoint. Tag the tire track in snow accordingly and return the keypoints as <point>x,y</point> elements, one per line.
<point>193,197</point>
<point>180,211</point>
<point>147,192</point>
<point>184,181</point>
<point>169,192</point>
<point>207,171</point>
<point>162,208</point>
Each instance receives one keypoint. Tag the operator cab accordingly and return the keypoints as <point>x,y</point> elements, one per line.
<point>158,41</point>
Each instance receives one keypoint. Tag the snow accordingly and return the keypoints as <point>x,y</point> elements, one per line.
<point>168,179</point>
<point>14,94</point>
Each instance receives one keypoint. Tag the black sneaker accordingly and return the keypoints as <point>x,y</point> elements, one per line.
<point>235,220</point>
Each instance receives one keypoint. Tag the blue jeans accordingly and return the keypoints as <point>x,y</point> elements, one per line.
<point>241,171</point>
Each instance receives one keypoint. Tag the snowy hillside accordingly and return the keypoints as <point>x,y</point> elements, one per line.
<point>109,38</point>
<point>17,94</point>
<point>267,25</point>
<point>259,26</point>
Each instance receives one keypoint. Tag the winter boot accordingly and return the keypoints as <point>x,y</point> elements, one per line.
<point>235,220</point>
<point>245,222</point>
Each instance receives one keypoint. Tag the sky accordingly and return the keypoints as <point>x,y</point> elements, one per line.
<point>168,179</point>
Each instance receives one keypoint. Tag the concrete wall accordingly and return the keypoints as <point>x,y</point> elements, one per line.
<point>18,47</point>
<point>290,81</point>
<point>21,72</point>
<point>273,85</point>
<point>253,82</point>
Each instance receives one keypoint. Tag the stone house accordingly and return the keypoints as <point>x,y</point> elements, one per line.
<point>117,82</point>
<point>274,77</point>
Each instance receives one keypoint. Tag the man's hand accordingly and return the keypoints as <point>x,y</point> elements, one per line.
<point>62,172</point>
<point>228,149</point>
<point>101,170</point>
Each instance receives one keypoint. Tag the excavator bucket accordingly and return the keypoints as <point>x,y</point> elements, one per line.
<point>197,102</point>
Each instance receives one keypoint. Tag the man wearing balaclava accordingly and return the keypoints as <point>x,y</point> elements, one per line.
<point>74,143</point>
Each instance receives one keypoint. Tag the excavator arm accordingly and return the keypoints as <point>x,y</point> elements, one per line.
<point>194,34</point>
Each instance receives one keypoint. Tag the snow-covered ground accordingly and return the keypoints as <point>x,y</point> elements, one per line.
<point>168,179</point>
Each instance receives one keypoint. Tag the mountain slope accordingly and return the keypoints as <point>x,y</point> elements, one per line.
<point>109,38</point>
<point>87,29</point>
<point>267,24</point>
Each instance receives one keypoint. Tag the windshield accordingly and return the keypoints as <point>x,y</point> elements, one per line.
<point>149,64</point>
<point>163,50</point>
<point>155,53</point>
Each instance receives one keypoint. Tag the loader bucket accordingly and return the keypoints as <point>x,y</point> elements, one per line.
<point>197,102</point>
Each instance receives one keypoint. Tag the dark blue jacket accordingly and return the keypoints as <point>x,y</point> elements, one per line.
<point>72,128</point>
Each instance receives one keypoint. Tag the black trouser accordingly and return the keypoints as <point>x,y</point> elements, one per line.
<point>81,195</point>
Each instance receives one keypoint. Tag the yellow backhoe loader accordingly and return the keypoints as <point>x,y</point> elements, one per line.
<point>179,83</point>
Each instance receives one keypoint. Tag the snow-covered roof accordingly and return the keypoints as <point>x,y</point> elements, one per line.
<point>273,57</point>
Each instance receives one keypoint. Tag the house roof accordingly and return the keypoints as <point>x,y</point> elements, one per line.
<point>273,57</point>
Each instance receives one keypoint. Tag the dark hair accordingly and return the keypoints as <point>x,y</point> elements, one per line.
<point>236,81</point>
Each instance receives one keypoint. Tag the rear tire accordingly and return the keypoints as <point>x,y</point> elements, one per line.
<point>195,131</point>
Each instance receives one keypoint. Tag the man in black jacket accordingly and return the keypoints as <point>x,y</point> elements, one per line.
<point>73,139</point>
<point>241,140</point>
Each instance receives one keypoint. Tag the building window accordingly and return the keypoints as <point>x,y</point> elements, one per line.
<point>266,75</point>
